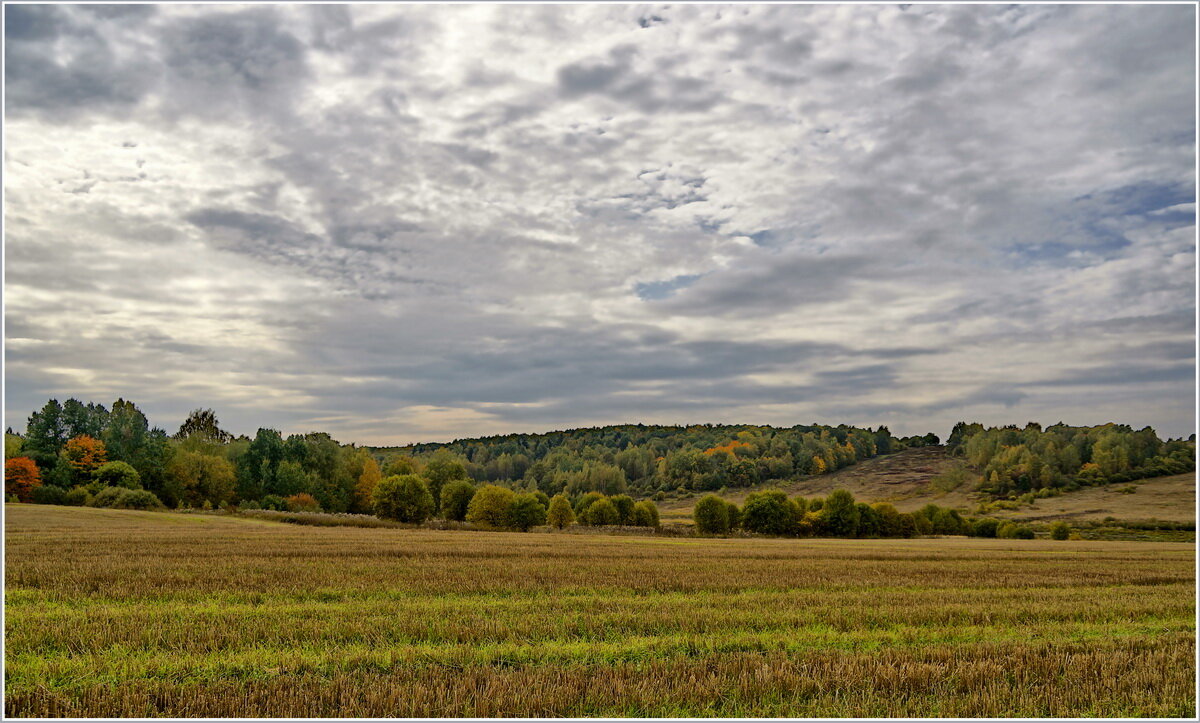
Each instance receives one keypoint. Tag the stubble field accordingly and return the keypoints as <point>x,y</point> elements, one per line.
<point>120,613</point>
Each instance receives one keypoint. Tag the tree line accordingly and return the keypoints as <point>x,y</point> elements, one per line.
<point>76,454</point>
<point>72,451</point>
<point>772,512</point>
<point>1013,459</point>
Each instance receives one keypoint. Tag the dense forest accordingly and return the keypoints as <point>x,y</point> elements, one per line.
<point>1014,459</point>
<point>81,453</point>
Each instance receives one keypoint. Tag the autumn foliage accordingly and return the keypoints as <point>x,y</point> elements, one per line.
<point>85,454</point>
<point>21,478</point>
<point>365,487</point>
<point>302,502</point>
<point>727,447</point>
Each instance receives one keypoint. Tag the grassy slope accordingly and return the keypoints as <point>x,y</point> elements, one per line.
<point>904,479</point>
<point>128,613</point>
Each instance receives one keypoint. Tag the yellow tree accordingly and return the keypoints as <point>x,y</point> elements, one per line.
<point>366,484</point>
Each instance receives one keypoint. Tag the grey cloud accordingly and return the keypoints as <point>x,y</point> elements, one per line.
<point>84,74</point>
<point>773,285</point>
<point>351,213</point>
<point>234,61</point>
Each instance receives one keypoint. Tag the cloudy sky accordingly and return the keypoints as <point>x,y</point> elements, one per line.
<point>417,223</point>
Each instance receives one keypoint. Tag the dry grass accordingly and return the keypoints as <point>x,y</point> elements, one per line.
<point>1161,498</point>
<point>117,613</point>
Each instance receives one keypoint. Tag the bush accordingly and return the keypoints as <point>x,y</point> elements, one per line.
<point>770,513</point>
<point>624,505</point>
<point>584,502</point>
<point>870,524</point>
<point>711,515</point>
<point>734,514</point>
<point>76,497</point>
<point>302,502</point>
<point>137,500</point>
<point>601,512</point>
<point>118,474</point>
<point>125,499</point>
<point>525,512</point>
<point>839,514</point>
<point>1060,531</point>
<point>560,514</point>
<point>1013,531</point>
<point>888,519</point>
<point>404,498</point>
<point>456,497</point>
<point>947,522</point>
<point>986,527</point>
<point>249,505</point>
<point>273,502</point>
<point>490,506</point>
<point>48,495</point>
<point>645,514</point>
<point>105,497</point>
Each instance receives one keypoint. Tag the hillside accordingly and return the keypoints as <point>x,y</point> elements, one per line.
<point>909,480</point>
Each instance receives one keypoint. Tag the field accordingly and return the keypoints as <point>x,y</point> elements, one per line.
<point>120,613</point>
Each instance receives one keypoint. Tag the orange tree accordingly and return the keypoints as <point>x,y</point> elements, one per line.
<point>21,478</point>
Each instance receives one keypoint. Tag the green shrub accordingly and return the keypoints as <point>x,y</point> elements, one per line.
<point>273,502</point>
<point>490,506</point>
<point>138,500</point>
<point>734,514</point>
<point>48,495</point>
<point>456,498</point>
<point>624,505</point>
<point>711,515</point>
<point>404,498</point>
<point>985,527</point>
<point>601,512</point>
<point>1013,531</point>
<point>560,514</point>
<point>249,505</point>
<point>584,502</point>
<point>76,497</point>
<point>889,519</point>
<point>1060,531</point>
<point>769,513</point>
<point>126,499</point>
<point>543,498</point>
<point>118,474</point>
<point>645,514</point>
<point>870,523</point>
<point>105,497</point>
<point>839,514</point>
<point>525,512</point>
<point>947,522</point>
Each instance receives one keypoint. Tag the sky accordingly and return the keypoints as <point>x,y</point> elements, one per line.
<point>421,223</point>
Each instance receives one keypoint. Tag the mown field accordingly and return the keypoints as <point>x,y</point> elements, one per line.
<point>121,613</point>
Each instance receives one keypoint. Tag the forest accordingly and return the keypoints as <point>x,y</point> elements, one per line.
<point>78,453</point>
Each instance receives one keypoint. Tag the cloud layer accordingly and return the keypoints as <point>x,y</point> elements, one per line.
<point>412,223</point>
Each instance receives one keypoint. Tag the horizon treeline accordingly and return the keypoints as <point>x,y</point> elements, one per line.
<point>77,445</point>
<point>77,449</point>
